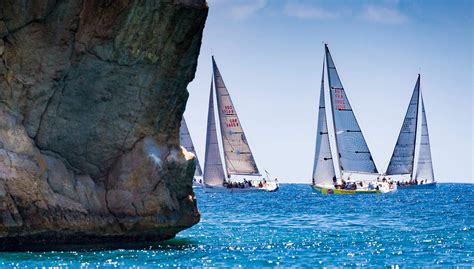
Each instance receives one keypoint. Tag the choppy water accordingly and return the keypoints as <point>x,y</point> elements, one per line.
<point>296,227</point>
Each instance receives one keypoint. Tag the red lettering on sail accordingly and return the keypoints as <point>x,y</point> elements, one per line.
<point>233,122</point>
<point>228,110</point>
<point>339,99</point>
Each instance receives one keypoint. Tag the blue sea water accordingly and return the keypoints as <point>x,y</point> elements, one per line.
<point>296,227</point>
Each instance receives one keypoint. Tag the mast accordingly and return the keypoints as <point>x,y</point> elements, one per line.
<point>403,156</point>
<point>424,170</point>
<point>353,153</point>
<point>323,167</point>
<point>186,141</point>
<point>238,157</point>
<point>213,170</point>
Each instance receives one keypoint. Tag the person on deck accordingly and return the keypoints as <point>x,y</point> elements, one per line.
<point>343,185</point>
<point>334,182</point>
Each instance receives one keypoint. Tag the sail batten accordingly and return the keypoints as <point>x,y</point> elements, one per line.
<point>238,157</point>
<point>350,141</point>
<point>403,156</point>
<point>424,169</point>
<point>323,166</point>
<point>186,141</point>
<point>213,170</point>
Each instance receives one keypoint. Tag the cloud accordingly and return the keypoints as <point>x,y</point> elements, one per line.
<point>305,11</point>
<point>237,9</point>
<point>386,15</point>
<point>245,9</point>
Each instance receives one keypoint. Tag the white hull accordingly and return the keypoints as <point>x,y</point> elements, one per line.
<point>431,185</point>
<point>389,190</point>
<point>215,189</point>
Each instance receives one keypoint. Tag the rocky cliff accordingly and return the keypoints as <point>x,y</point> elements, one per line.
<point>91,96</point>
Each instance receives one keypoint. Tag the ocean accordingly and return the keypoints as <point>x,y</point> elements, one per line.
<point>296,227</point>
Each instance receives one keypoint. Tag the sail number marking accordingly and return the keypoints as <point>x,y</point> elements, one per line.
<point>232,122</point>
<point>228,110</point>
<point>339,98</point>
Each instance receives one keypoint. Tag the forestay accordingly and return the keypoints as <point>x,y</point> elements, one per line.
<point>238,156</point>
<point>424,169</point>
<point>186,141</point>
<point>323,168</point>
<point>354,154</point>
<point>403,156</point>
<point>213,170</point>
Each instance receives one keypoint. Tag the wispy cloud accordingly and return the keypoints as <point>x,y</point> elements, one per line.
<point>384,11</point>
<point>245,9</point>
<point>307,11</point>
<point>384,14</point>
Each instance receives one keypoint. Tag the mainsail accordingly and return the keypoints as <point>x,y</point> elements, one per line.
<point>424,170</point>
<point>186,141</point>
<point>238,156</point>
<point>323,168</point>
<point>403,157</point>
<point>213,170</point>
<point>354,154</point>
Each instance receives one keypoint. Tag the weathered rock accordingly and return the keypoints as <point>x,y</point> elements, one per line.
<point>91,96</point>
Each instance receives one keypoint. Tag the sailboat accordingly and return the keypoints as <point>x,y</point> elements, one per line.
<point>413,140</point>
<point>344,166</point>
<point>186,141</point>
<point>242,173</point>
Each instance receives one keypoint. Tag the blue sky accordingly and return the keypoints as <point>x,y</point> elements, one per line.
<point>270,55</point>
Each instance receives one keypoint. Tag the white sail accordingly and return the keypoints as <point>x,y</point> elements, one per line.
<point>323,167</point>
<point>213,170</point>
<point>354,154</point>
<point>237,154</point>
<point>424,170</point>
<point>403,156</point>
<point>186,141</point>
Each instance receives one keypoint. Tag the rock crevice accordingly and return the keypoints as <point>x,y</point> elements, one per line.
<point>91,96</point>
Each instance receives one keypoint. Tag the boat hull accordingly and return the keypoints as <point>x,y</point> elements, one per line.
<point>339,191</point>
<point>211,189</point>
<point>421,186</point>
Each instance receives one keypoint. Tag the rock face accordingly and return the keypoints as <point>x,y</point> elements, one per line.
<point>91,96</point>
